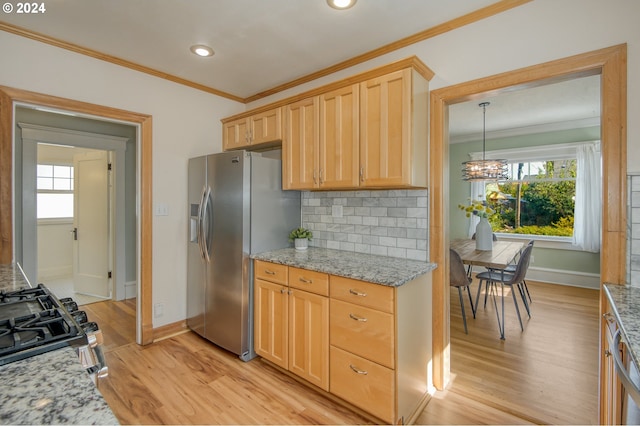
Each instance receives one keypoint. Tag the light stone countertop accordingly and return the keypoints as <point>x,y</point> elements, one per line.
<point>12,278</point>
<point>625,302</point>
<point>383,270</point>
<point>50,388</point>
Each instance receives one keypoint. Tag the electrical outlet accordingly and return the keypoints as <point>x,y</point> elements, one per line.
<point>158,310</point>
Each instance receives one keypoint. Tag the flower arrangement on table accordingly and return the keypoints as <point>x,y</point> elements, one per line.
<point>477,208</point>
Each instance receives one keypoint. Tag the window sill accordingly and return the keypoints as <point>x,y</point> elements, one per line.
<point>557,243</point>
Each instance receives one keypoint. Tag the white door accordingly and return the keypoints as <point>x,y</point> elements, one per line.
<point>91,222</point>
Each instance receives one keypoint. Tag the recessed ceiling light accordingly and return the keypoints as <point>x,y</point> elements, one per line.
<point>202,50</point>
<point>341,4</point>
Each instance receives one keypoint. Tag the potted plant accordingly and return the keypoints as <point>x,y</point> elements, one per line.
<point>300,237</point>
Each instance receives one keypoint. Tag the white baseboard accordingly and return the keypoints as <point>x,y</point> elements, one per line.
<point>56,272</point>
<point>130,289</point>
<point>559,276</point>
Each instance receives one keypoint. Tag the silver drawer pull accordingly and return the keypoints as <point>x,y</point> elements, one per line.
<point>357,293</point>
<point>306,281</point>
<point>357,370</point>
<point>268,272</point>
<point>357,318</point>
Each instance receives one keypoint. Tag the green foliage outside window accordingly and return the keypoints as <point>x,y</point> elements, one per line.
<point>546,201</point>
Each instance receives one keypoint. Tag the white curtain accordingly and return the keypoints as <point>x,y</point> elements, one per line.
<point>588,204</point>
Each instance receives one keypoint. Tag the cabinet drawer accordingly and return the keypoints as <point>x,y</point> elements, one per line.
<point>363,383</point>
<point>362,293</point>
<point>363,331</point>
<point>311,281</point>
<point>271,272</point>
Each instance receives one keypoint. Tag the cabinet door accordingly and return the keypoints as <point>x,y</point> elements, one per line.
<point>339,138</point>
<point>271,312</point>
<point>300,145</point>
<point>265,126</point>
<point>612,388</point>
<point>309,337</point>
<point>385,130</point>
<point>235,135</point>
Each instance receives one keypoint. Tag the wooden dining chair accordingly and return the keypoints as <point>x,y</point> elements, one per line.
<point>458,278</point>
<point>514,280</point>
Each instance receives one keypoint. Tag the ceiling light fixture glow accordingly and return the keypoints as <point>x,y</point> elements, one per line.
<point>202,50</point>
<point>341,4</point>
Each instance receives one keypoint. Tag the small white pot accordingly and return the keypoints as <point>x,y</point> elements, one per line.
<point>301,243</point>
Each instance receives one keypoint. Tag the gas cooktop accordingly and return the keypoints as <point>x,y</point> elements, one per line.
<point>34,321</point>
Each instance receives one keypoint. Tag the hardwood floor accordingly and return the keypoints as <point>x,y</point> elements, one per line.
<point>547,374</point>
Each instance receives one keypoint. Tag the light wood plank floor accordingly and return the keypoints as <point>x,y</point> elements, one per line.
<point>546,374</point>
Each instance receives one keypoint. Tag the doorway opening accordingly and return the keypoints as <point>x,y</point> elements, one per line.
<point>10,100</point>
<point>75,222</point>
<point>610,63</point>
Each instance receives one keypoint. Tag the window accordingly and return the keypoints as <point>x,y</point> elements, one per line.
<point>55,191</point>
<point>538,199</point>
<point>553,191</point>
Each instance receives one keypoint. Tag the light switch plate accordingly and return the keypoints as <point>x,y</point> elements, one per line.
<point>162,209</point>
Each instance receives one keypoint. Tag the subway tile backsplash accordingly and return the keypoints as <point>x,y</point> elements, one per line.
<point>389,223</point>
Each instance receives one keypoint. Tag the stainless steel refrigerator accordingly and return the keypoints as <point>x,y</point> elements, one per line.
<point>236,208</point>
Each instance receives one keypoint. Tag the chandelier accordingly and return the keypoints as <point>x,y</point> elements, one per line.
<point>477,170</point>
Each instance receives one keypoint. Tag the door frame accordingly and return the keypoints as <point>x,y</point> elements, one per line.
<point>611,64</point>
<point>9,97</point>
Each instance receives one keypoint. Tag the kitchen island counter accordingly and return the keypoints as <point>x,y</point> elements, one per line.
<point>49,388</point>
<point>389,271</point>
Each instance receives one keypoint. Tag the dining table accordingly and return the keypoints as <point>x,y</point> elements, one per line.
<point>502,254</point>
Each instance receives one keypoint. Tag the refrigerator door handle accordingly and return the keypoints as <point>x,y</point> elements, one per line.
<point>205,226</point>
<point>200,220</point>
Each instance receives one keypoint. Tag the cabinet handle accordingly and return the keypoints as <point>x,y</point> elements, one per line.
<point>315,178</point>
<point>357,293</point>
<point>321,180</point>
<point>357,370</point>
<point>607,353</point>
<point>306,281</point>
<point>357,318</point>
<point>268,272</point>
<point>283,291</point>
<point>290,292</point>
<point>361,174</point>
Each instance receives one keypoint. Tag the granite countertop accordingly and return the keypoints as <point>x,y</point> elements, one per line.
<point>50,388</point>
<point>12,278</point>
<point>389,271</point>
<point>625,302</point>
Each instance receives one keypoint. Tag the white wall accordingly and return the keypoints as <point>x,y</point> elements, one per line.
<point>537,32</point>
<point>186,123</point>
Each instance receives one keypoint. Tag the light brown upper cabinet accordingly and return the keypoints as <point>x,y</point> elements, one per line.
<point>320,143</point>
<point>366,131</point>
<point>393,130</point>
<point>256,130</point>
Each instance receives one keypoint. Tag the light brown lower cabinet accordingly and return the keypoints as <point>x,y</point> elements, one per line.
<point>368,344</point>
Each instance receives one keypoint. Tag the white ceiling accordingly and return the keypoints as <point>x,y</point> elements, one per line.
<point>261,44</point>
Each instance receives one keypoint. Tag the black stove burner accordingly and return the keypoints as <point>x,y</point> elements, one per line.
<point>33,321</point>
